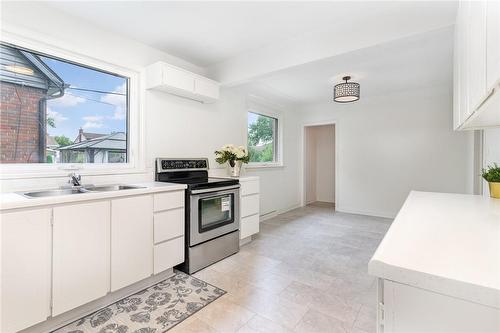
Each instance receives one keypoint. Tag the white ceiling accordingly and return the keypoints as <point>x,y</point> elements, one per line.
<point>206,33</point>
<point>405,64</point>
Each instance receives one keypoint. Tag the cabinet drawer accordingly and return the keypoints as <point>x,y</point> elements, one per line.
<point>168,224</point>
<point>168,254</point>
<point>250,187</point>
<point>168,200</point>
<point>249,226</point>
<point>249,205</point>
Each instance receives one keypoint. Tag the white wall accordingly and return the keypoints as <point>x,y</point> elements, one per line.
<point>174,127</point>
<point>390,145</point>
<point>320,163</point>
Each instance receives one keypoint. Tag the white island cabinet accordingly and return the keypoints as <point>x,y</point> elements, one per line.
<point>26,262</point>
<point>65,257</point>
<point>438,266</point>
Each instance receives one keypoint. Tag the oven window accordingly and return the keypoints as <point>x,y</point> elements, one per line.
<point>216,211</point>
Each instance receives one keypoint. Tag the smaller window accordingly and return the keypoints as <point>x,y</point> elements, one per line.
<point>262,138</point>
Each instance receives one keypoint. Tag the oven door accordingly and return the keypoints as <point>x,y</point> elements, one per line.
<point>213,212</point>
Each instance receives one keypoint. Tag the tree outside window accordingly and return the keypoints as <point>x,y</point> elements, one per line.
<point>262,138</point>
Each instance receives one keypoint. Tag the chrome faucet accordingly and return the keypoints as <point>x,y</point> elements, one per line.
<point>74,179</point>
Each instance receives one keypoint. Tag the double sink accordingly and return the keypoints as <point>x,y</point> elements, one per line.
<point>79,190</point>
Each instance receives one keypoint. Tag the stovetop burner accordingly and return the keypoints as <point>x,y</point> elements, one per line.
<point>192,172</point>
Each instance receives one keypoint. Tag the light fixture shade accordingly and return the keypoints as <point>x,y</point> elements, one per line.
<point>346,92</point>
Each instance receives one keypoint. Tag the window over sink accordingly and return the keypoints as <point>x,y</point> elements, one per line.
<point>55,110</point>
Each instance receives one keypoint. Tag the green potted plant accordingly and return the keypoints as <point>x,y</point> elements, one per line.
<point>234,156</point>
<point>492,175</point>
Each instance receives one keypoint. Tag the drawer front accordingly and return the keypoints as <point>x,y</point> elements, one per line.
<point>249,226</point>
<point>250,187</point>
<point>168,200</point>
<point>168,224</point>
<point>168,254</point>
<point>249,205</point>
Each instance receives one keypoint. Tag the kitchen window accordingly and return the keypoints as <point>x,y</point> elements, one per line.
<point>263,139</point>
<point>57,111</point>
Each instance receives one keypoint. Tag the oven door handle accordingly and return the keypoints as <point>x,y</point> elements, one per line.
<point>216,189</point>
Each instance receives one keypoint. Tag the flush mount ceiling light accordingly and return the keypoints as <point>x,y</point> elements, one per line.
<point>346,92</point>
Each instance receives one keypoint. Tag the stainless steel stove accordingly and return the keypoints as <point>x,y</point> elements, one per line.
<point>212,218</point>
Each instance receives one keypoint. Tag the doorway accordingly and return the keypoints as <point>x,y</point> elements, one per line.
<point>319,165</point>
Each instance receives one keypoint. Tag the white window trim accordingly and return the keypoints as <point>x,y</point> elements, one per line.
<point>136,148</point>
<point>279,162</point>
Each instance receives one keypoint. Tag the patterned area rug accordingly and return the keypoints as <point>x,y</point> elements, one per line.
<point>153,310</point>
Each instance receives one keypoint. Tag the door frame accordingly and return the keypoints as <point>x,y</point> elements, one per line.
<point>335,123</point>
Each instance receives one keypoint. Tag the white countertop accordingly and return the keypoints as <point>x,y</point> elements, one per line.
<point>446,243</point>
<point>14,200</point>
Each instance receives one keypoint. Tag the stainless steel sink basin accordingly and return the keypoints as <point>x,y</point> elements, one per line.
<point>80,190</point>
<point>53,193</point>
<point>107,188</point>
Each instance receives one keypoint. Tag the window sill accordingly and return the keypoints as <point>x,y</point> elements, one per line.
<point>264,166</point>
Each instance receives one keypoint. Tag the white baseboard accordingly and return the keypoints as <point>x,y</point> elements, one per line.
<point>367,213</point>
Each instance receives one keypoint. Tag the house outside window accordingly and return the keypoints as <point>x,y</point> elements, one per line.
<point>263,139</point>
<point>57,111</point>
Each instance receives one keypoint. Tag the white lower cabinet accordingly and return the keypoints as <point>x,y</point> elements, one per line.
<point>58,258</point>
<point>249,207</point>
<point>168,254</point>
<point>25,268</point>
<point>81,254</point>
<point>131,240</point>
<point>168,224</point>
<point>249,226</point>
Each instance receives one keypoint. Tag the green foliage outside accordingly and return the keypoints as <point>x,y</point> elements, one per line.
<point>492,173</point>
<point>63,141</point>
<point>260,140</point>
<point>51,122</point>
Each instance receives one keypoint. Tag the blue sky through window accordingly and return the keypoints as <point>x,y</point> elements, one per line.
<point>94,112</point>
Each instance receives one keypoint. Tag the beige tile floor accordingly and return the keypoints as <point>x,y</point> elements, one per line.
<point>306,271</point>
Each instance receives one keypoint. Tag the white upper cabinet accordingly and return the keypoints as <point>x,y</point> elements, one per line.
<point>174,80</point>
<point>477,65</point>
<point>493,42</point>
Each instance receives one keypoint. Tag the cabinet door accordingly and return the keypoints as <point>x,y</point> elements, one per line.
<point>207,89</point>
<point>477,53</point>
<point>25,270</point>
<point>492,43</point>
<point>131,240</point>
<point>81,254</point>
<point>463,58</point>
<point>178,79</point>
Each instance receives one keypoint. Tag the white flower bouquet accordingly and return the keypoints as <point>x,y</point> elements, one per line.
<point>233,155</point>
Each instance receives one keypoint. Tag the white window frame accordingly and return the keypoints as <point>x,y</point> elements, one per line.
<point>136,147</point>
<point>278,139</point>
